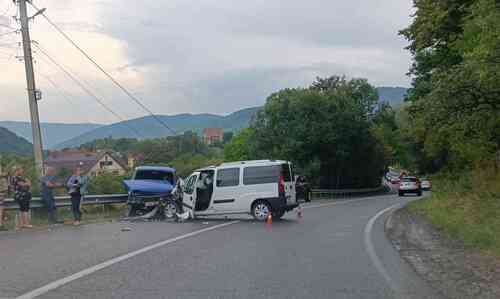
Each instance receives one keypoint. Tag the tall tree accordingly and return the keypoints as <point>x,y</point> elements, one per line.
<point>328,122</point>
<point>455,99</point>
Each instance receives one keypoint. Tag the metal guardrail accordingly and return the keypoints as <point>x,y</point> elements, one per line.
<point>339,193</point>
<point>65,201</point>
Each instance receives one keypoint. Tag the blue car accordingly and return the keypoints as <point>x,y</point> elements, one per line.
<point>150,190</point>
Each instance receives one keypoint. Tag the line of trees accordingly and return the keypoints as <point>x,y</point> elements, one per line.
<point>454,104</point>
<point>330,130</point>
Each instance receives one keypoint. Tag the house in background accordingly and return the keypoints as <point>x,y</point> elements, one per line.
<point>213,135</point>
<point>134,160</point>
<point>91,163</point>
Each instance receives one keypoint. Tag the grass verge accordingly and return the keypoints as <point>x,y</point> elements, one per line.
<point>90,214</point>
<point>466,207</point>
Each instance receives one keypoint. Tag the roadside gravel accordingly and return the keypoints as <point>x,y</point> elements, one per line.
<point>450,268</point>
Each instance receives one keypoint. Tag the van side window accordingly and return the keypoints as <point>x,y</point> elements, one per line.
<point>228,177</point>
<point>261,175</point>
<point>190,184</point>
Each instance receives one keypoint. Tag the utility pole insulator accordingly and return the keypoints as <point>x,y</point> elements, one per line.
<point>32,91</point>
<point>38,94</point>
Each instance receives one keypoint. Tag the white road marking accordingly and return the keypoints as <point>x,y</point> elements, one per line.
<point>335,203</point>
<point>58,283</point>
<point>371,250</point>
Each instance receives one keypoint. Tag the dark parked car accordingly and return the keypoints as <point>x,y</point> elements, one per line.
<point>302,188</point>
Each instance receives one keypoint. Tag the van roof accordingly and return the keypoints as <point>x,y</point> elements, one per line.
<point>252,162</point>
<point>248,162</point>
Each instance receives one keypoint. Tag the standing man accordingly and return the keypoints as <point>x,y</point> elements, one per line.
<point>47,185</point>
<point>4,190</point>
<point>22,195</point>
<point>84,183</point>
<point>74,189</point>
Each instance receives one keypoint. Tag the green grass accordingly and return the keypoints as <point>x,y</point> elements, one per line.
<point>467,208</point>
<point>90,214</point>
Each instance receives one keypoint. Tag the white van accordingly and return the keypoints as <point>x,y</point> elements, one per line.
<point>259,188</point>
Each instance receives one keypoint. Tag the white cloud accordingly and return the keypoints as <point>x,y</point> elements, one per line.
<point>206,55</point>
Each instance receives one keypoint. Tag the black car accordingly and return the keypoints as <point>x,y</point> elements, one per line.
<point>302,188</point>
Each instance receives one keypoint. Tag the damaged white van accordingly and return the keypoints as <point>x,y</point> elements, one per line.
<point>259,188</point>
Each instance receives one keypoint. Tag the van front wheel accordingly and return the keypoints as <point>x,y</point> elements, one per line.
<point>261,210</point>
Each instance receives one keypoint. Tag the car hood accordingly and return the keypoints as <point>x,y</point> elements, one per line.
<point>148,187</point>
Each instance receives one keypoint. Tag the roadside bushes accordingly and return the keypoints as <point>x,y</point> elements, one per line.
<point>466,206</point>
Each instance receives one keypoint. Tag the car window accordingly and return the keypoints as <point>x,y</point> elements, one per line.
<point>228,177</point>
<point>155,175</point>
<point>261,174</point>
<point>409,179</point>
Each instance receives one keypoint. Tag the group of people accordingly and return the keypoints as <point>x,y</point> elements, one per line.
<point>20,186</point>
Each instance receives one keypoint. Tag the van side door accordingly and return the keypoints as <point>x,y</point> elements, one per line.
<point>288,177</point>
<point>227,190</point>
<point>189,194</point>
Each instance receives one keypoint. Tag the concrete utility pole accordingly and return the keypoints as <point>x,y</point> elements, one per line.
<point>32,92</point>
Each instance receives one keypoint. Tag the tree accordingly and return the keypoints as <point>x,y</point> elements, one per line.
<point>106,183</point>
<point>328,122</point>
<point>455,99</point>
<point>239,149</point>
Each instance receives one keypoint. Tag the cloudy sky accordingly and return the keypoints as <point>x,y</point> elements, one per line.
<point>213,56</point>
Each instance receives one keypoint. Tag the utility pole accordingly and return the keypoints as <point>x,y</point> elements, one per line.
<point>30,80</point>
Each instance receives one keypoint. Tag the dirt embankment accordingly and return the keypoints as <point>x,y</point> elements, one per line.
<point>450,268</point>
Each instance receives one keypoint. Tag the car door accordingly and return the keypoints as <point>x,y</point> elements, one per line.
<point>287,175</point>
<point>189,194</point>
<point>227,190</point>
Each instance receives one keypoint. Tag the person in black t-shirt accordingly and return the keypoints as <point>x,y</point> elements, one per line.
<point>22,194</point>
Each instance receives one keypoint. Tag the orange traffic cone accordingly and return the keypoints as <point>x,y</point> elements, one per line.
<point>269,219</point>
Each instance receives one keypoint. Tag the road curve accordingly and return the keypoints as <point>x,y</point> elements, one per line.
<point>336,250</point>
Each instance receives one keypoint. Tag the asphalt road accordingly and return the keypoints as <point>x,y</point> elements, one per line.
<point>336,250</point>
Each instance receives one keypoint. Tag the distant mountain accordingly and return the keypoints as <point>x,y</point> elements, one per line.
<point>10,143</point>
<point>52,133</point>
<point>148,127</point>
<point>393,95</point>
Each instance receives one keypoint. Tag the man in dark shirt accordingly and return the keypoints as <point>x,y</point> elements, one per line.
<point>47,185</point>
<point>4,190</point>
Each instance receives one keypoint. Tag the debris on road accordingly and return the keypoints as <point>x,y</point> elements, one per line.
<point>126,229</point>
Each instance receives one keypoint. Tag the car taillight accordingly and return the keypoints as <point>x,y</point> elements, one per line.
<point>281,186</point>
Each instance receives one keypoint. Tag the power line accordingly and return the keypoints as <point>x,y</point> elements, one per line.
<point>7,26</point>
<point>63,93</point>
<point>9,32</point>
<point>86,90</point>
<point>120,86</point>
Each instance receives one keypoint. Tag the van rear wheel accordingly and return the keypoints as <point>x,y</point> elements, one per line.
<point>261,210</point>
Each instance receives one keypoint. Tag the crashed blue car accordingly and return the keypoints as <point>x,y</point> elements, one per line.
<point>149,186</point>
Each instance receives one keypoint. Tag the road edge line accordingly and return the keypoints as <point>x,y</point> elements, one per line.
<point>326,204</point>
<point>85,272</point>
<point>370,249</point>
